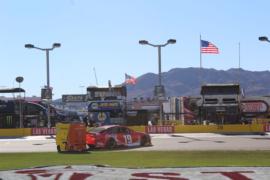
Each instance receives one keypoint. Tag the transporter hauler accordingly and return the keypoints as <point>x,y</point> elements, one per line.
<point>220,104</point>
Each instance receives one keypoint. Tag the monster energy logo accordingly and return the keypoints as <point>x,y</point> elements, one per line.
<point>9,120</point>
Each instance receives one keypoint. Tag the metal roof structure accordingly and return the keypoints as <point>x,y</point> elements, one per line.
<point>12,90</point>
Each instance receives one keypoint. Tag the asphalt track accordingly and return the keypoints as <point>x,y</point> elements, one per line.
<point>161,142</point>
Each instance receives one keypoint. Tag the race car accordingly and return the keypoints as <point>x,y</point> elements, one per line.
<point>114,136</point>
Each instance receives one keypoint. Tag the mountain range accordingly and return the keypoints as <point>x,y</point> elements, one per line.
<point>187,81</point>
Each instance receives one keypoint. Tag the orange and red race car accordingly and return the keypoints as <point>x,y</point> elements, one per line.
<point>114,136</point>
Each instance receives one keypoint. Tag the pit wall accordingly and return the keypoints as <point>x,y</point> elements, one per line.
<point>235,128</point>
<point>225,129</point>
<point>18,132</point>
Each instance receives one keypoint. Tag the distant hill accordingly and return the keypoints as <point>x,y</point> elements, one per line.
<point>187,81</point>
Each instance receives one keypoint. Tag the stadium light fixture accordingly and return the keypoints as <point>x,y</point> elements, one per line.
<point>48,88</point>
<point>264,38</point>
<point>159,89</point>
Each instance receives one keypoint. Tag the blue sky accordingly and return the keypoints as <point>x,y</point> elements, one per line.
<point>105,34</point>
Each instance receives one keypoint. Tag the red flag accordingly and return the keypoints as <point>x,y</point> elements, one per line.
<point>130,79</point>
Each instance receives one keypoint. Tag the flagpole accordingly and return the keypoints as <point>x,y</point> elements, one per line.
<point>200,78</point>
<point>239,56</point>
<point>239,61</point>
<point>94,69</point>
<point>200,52</point>
<point>125,99</point>
<point>125,79</point>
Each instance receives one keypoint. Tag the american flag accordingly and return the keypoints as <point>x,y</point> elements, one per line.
<point>208,47</point>
<point>130,79</point>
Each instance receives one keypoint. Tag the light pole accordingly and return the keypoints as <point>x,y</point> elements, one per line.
<point>159,89</point>
<point>48,89</point>
<point>19,79</point>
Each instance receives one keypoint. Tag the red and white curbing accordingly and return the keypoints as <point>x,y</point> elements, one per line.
<point>94,172</point>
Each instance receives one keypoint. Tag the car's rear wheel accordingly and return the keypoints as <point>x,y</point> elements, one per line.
<point>143,140</point>
<point>111,144</point>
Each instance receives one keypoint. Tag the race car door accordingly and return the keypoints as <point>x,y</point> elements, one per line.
<point>129,139</point>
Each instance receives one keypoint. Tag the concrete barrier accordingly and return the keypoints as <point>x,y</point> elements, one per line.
<point>229,129</point>
<point>138,128</point>
<point>224,129</point>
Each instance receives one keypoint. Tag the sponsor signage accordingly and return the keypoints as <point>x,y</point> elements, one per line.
<point>159,129</point>
<point>132,113</point>
<point>94,92</point>
<point>267,127</point>
<point>74,98</point>
<point>103,106</point>
<point>93,172</point>
<point>102,118</point>
<point>159,91</point>
<point>46,93</point>
<point>254,107</point>
<point>43,131</point>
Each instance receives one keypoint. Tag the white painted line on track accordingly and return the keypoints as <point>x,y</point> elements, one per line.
<point>27,138</point>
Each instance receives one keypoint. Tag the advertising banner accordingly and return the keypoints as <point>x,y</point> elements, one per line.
<point>46,93</point>
<point>159,129</point>
<point>74,98</point>
<point>254,107</point>
<point>104,106</point>
<point>43,131</point>
<point>102,118</point>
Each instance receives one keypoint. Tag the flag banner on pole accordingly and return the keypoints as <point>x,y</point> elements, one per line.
<point>130,79</point>
<point>208,47</point>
